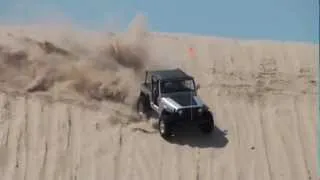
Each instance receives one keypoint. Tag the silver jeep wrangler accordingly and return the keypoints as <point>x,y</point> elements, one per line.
<point>172,96</point>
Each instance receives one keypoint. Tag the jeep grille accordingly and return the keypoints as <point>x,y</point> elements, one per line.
<point>190,113</point>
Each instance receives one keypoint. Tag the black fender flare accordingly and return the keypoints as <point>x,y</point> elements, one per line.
<point>145,98</point>
<point>170,115</point>
<point>164,113</point>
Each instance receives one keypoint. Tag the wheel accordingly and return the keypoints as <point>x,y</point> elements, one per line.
<point>141,107</point>
<point>164,127</point>
<point>208,126</point>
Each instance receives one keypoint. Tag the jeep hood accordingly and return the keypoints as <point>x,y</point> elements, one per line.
<point>183,100</point>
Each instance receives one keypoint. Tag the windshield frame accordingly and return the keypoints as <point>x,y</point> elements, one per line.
<point>193,90</point>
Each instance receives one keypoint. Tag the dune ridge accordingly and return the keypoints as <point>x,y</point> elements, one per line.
<point>67,98</point>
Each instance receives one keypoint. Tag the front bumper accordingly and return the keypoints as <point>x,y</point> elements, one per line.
<point>188,115</point>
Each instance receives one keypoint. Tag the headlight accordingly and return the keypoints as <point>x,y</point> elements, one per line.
<point>200,110</point>
<point>180,112</point>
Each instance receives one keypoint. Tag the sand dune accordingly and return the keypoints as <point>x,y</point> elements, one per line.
<point>66,98</point>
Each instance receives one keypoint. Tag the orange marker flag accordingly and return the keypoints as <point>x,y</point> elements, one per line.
<point>191,52</point>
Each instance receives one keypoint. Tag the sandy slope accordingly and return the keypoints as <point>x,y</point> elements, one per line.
<point>263,95</point>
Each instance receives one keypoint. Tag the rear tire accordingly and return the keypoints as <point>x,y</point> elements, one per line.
<point>142,107</point>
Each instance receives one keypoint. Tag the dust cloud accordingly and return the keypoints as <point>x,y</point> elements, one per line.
<point>110,69</point>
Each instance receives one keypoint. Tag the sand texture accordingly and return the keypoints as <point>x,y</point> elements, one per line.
<point>66,107</point>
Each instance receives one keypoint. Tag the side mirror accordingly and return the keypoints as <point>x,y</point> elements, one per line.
<point>198,86</point>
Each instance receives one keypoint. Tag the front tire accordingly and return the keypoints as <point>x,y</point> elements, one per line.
<point>208,126</point>
<point>164,127</point>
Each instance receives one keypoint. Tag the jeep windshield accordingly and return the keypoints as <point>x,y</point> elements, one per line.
<point>172,86</point>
